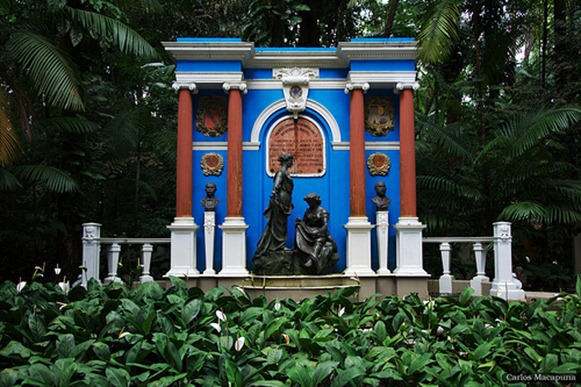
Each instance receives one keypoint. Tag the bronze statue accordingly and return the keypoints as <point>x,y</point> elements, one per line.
<point>274,236</point>
<point>380,200</point>
<point>313,240</point>
<point>210,202</point>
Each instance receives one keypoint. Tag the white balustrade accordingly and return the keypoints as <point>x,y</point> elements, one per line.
<point>92,243</point>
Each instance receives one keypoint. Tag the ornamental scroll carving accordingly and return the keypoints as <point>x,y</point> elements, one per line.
<point>212,116</point>
<point>379,118</point>
<point>295,83</point>
<point>212,164</point>
<point>378,164</point>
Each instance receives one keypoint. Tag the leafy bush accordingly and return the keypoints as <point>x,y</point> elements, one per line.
<point>113,336</point>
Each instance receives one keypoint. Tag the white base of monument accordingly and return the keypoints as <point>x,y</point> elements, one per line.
<point>409,247</point>
<point>183,248</point>
<point>234,247</point>
<point>358,246</point>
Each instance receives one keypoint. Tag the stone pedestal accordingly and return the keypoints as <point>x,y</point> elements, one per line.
<point>504,284</point>
<point>358,246</point>
<point>209,231</point>
<point>382,230</point>
<point>409,247</point>
<point>234,247</point>
<point>183,248</point>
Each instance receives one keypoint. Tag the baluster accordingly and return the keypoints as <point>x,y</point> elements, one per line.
<point>446,278</point>
<point>480,257</point>
<point>113,262</point>
<point>146,251</point>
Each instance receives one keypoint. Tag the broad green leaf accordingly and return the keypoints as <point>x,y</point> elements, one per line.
<point>380,331</point>
<point>102,351</point>
<point>323,370</point>
<point>466,295</point>
<point>190,311</point>
<point>65,345</point>
<point>482,351</point>
<point>118,377</point>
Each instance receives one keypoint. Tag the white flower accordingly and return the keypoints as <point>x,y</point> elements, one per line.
<point>123,334</point>
<point>277,306</point>
<point>20,286</point>
<point>57,270</point>
<point>221,316</point>
<point>440,331</point>
<point>239,344</point>
<point>216,326</point>
<point>341,312</point>
<point>64,286</point>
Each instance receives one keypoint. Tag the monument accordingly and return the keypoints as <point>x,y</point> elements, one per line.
<point>346,116</point>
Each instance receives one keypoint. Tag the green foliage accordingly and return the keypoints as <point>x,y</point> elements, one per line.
<point>179,336</point>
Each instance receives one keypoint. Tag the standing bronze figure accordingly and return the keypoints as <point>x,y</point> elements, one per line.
<point>280,207</point>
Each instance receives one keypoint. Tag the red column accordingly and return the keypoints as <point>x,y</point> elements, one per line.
<point>357,150</point>
<point>184,153</point>
<point>407,152</point>
<point>234,170</point>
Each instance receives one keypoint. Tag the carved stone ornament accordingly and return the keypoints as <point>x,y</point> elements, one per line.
<point>295,83</point>
<point>378,164</point>
<point>212,164</point>
<point>212,116</point>
<point>379,118</point>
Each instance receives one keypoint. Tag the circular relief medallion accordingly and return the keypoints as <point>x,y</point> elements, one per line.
<point>296,92</point>
<point>378,164</point>
<point>378,115</point>
<point>212,164</point>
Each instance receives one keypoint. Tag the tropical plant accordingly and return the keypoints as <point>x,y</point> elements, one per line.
<point>178,336</point>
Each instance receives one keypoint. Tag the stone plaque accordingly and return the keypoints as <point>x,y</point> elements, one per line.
<point>304,140</point>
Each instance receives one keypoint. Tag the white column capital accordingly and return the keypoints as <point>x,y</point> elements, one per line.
<point>185,85</point>
<point>406,85</point>
<point>350,86</point>
<point>242,86</point>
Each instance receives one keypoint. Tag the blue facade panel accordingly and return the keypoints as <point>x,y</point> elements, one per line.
<point>381,65</point>
<point>208,66</point>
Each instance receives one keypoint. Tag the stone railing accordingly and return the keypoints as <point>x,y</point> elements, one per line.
<point>92,243</point>
<point>504,284</point>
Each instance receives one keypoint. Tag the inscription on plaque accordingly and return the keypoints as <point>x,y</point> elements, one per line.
<point>304,140</point>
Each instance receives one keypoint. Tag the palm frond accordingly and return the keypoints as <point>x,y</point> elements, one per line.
<point>525,210</point>
<point>125,39</point>
<point>445,137</point>
<point>538,126</point>
<point>439,31</point>
<point>55,179</point>
<point>8,182</point>
<point>557,214</point>
<point>76,125</point>
<point>48,69</point>
<point>434,183</point>
<point>9,144</point>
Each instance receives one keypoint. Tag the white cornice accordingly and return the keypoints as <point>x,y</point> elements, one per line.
<point>377,50</point>
<point>375,78</point>
<point>274,59</point>
<point>209,79</point>
<point>241,51</point>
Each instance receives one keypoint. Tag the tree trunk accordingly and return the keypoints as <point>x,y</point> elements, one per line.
<point>390,18</point>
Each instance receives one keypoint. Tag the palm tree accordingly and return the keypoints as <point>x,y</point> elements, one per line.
<point>49,57</point>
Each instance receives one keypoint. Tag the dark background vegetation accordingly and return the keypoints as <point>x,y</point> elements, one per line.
<point>88,116</point>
